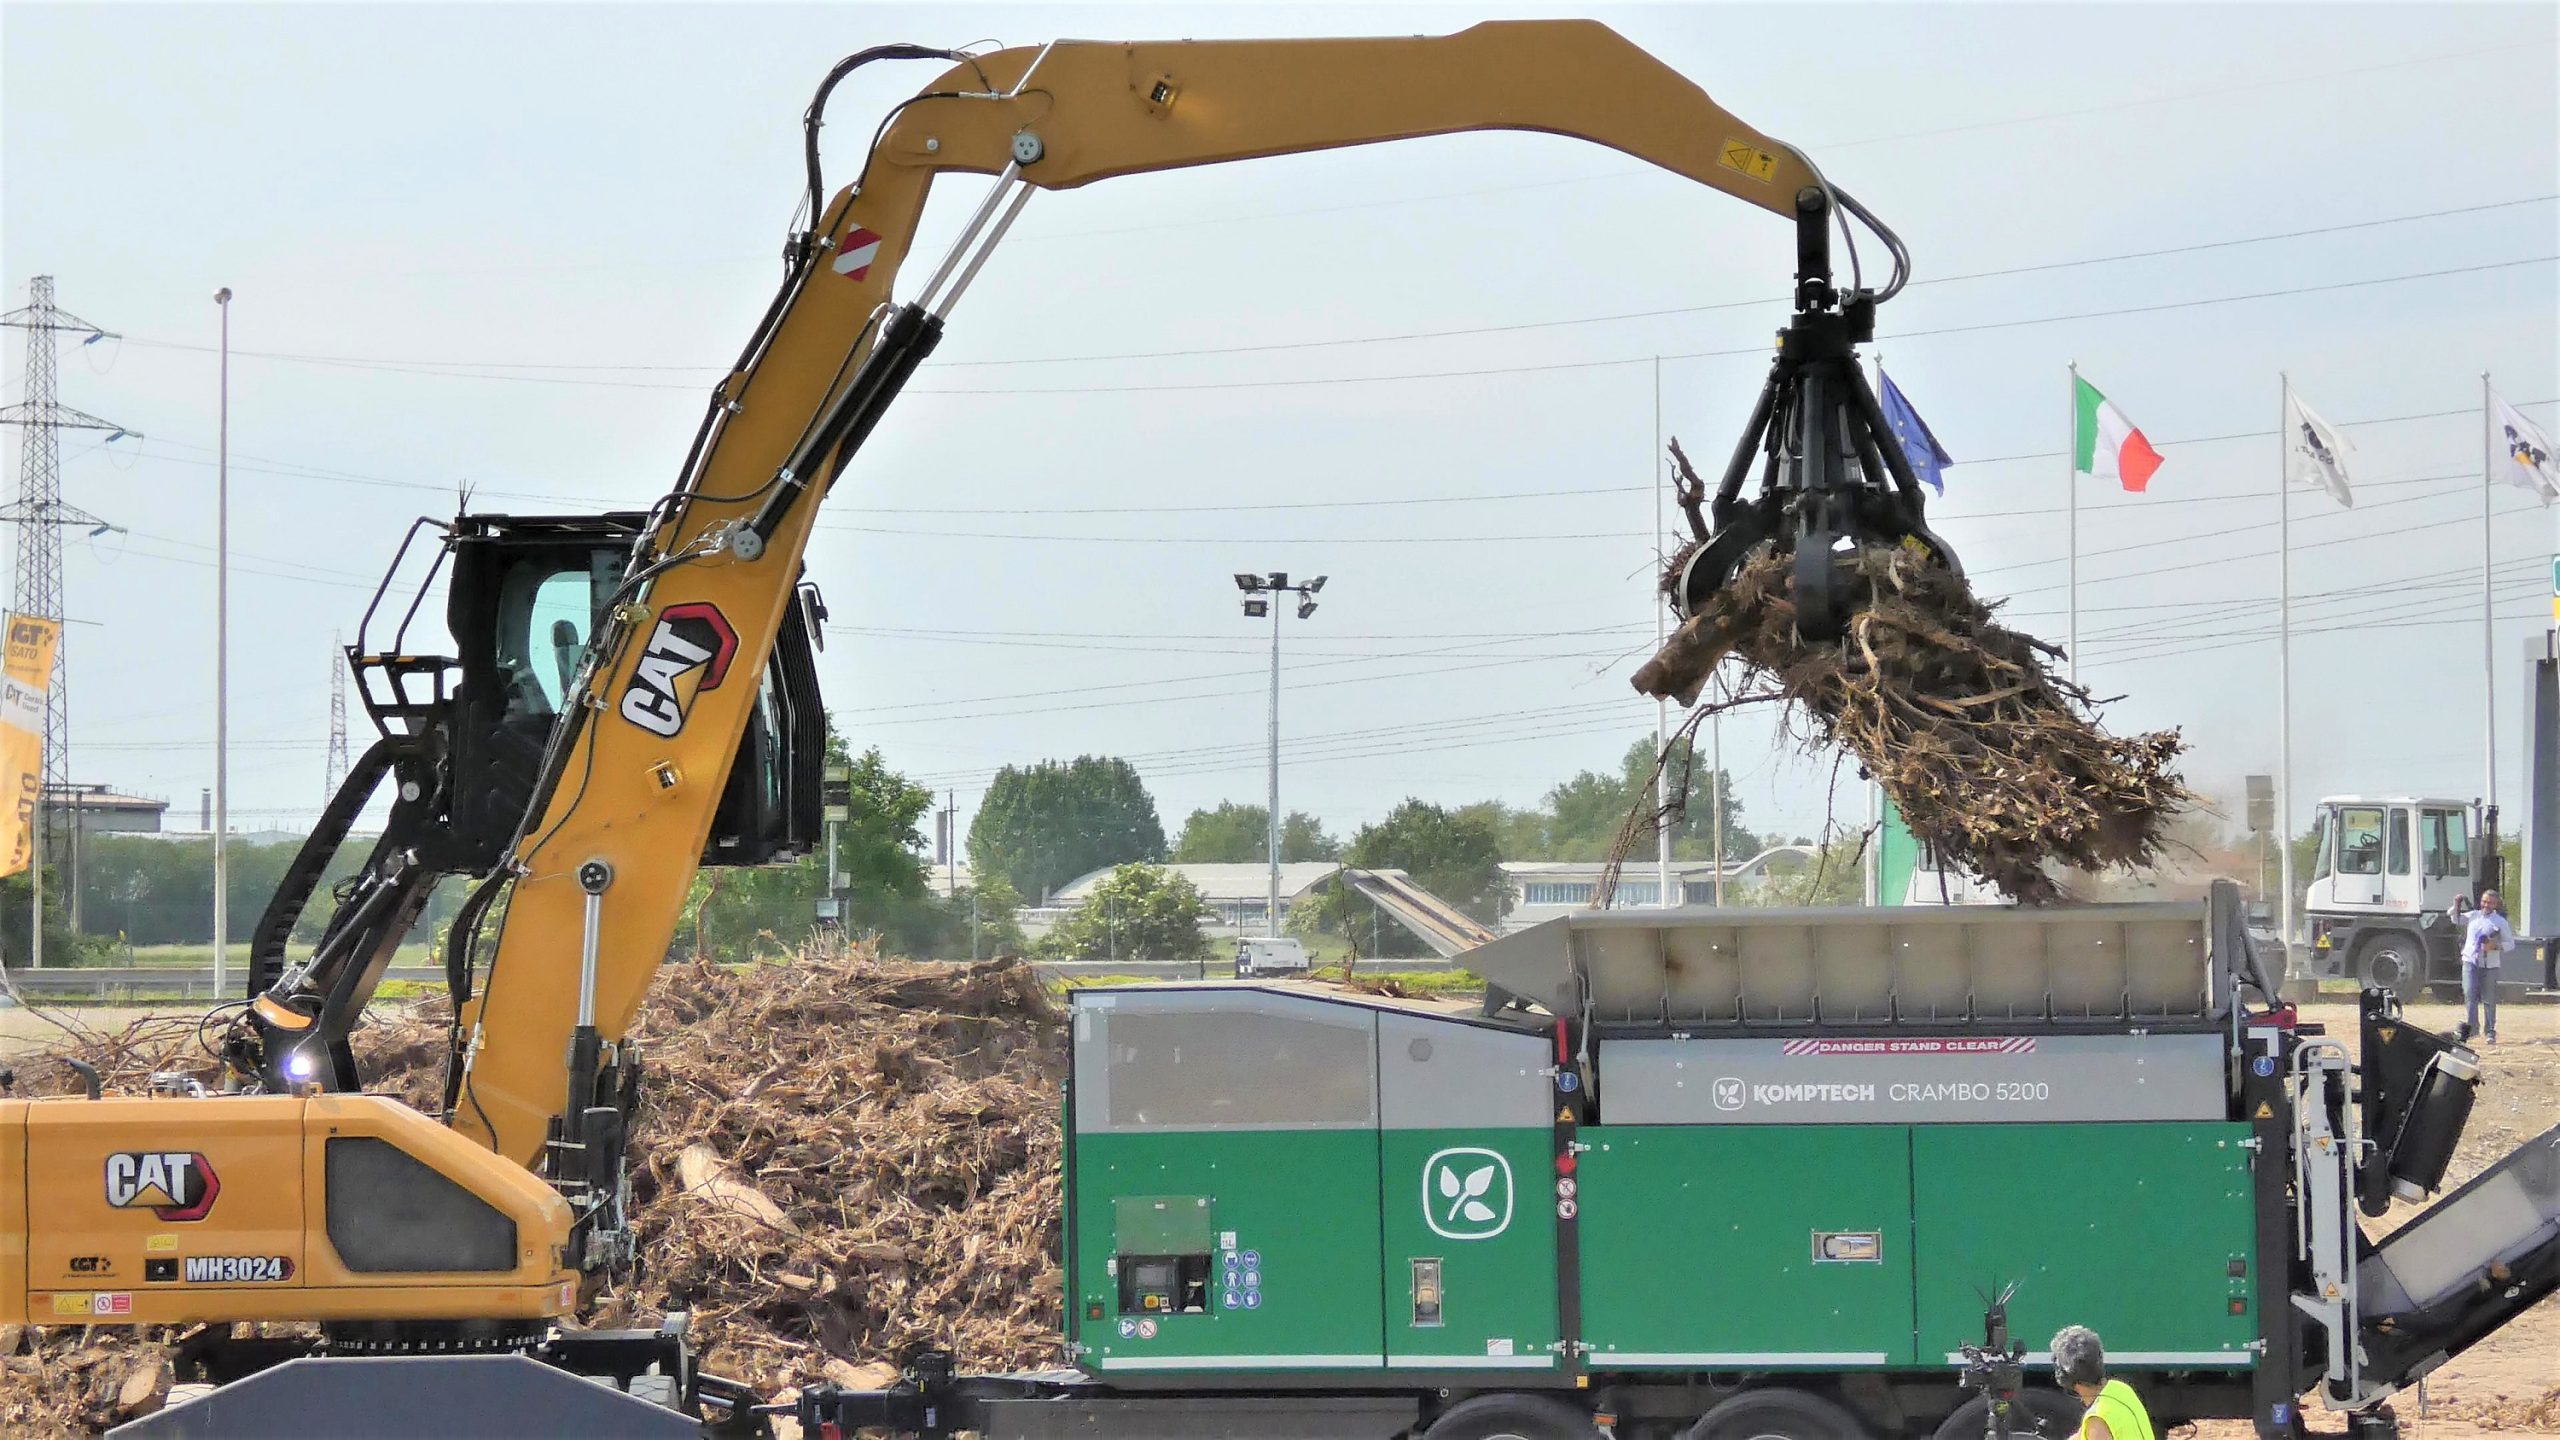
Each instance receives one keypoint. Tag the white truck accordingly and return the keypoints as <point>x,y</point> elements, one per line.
<point>2385,873</point>
<point>1258,955</point>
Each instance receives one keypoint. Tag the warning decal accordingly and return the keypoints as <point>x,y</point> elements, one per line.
<point>855,254</point>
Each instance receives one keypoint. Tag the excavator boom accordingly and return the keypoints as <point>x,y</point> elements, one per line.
<point>641,773</point>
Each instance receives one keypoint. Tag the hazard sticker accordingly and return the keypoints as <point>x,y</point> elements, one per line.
<point>1749,159</point>
<point>855,254</point>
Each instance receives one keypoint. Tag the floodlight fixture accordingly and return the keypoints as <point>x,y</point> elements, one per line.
<point>1279,579</point>
<point>1257,607</point>
<point>1315,585</point>
<point>1306,608</point>
<point>1248,583</point>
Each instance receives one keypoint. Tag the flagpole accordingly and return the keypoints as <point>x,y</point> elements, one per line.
<point>2071,465</point>
<point>2284,662</point>
<point>1661,708</point>
<point>2488,595</point>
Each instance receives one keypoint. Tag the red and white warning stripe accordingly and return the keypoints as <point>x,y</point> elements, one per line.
<point>854,256</point>
<point>1957,1045</point>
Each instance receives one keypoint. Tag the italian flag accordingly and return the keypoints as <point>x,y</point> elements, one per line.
<point>2106,444</point>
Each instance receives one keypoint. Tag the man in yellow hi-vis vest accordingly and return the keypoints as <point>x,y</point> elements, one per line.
<point>2080,1366</point>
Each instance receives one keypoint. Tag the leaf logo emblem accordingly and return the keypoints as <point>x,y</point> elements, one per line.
<point>1467,1194</point>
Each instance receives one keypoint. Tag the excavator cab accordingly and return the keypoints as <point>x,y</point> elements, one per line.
<point>1833,479</point>
<point>463,744</point>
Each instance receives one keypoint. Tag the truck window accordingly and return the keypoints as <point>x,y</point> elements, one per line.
<point>2398,846</point>
<point>2360,840</point>
<point>2320,857</point>
<point>2444,843</point>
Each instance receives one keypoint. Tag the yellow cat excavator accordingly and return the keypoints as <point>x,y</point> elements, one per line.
<point>632,695</point>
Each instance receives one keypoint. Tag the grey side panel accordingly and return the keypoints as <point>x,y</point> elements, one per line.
<point>1223,1059</point>
<point>1913,1080</point>
<point>1435,1074</point>
<point>412,1397</point>
<point>1309,1417</point>
<point>1915,966</point>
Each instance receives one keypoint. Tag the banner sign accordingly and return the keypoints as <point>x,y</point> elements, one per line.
<point>26,673</point>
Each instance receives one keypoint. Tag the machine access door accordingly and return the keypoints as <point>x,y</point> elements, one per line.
<point>1468,1203</point>
<point>1223,1183</point>
<point>2144,1232</point>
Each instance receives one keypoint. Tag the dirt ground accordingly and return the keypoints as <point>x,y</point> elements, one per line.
<point>2509,1384</point>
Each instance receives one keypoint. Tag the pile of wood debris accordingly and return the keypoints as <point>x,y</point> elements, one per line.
<point>840,1159</point>
<point>1996,763</point>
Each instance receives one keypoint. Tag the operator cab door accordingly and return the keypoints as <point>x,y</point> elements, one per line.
<point>2444,855</point>
<point>2403,887</point>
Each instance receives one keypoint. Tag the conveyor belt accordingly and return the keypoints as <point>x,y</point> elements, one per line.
<point>2475,1260</point>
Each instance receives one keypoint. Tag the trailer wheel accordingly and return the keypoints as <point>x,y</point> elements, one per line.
<point>1512,1417</point>
<point>1776,1414</point>
<point>2046,1412</point>
<point>2394,963</point>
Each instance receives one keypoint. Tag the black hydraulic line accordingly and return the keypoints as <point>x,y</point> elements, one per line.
<point>815,119</point>
<point>293,892</point>
<point>907,336</point>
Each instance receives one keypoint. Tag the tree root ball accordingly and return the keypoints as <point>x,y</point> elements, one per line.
<point>1997,764</point>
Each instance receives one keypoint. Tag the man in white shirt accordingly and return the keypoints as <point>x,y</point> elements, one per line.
<point>2484,942</point>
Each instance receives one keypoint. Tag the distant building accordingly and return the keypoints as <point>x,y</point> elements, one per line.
<point>97,810</point>
<point>1544,889</point>
<point>1238,895</point>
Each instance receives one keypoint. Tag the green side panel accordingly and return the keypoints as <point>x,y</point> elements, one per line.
<point>2130,1229</point>
<point>1699,1244</point>
<point>1297,1290</point>
<point>1495,1247</point>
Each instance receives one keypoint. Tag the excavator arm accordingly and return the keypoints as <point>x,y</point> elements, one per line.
<point>639,763</point>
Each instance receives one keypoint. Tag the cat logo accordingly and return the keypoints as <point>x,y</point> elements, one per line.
<point>688,653</point>
<point>173,1184</point>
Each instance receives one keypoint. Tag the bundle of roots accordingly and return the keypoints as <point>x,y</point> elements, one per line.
<point>1996,763</point>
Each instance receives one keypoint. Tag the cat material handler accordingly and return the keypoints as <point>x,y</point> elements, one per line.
<point>631,696</point>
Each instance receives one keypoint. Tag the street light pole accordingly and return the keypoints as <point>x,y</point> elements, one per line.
<point>1271,903</point>
<point>1262,595</point>
<point>222,664</point>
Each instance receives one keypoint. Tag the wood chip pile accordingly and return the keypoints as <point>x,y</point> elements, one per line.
<point>838,1160</point>
<point>1995,762</point>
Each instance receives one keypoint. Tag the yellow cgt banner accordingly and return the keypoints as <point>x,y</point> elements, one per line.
<point>26,672</point>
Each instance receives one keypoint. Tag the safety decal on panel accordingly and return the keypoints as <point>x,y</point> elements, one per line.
<point>854,256</point>
<point>1749,159</point>
<point>1466,1194</point>
<point>172,1184</point>
<point>689,652</point>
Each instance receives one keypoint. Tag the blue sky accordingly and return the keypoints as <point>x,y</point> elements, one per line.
<point>522,240</point>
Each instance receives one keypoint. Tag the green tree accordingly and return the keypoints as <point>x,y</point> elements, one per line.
<point>1139,912</point>
<point>1585,813</point>
<point>989,915</point>
<point>1043,826</point>
<point>734,913</point>
<point>1454,856</point>
<point>1235,834</point>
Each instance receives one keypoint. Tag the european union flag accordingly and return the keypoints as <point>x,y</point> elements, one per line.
<point>1927,456</point>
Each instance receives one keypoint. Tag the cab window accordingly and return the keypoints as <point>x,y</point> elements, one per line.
<point>544,619</point>
<point>2398,847</point>
<point>2360,840</point>
<point>2444,843</point>
<point>2321,859</point>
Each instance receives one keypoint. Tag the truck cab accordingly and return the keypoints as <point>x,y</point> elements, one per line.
<point>2385,872</point>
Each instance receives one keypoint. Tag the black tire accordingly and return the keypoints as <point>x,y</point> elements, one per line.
<point>2048,1413</point>
<point>1512,1417</point>
<point>1776,1414</point>
<point>2395,963</point>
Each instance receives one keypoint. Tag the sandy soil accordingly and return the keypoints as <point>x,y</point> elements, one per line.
<point>2510,1383</point>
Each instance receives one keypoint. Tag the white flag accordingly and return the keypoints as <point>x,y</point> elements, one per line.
<point>2314,454</point>
<point>2523,452</point>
